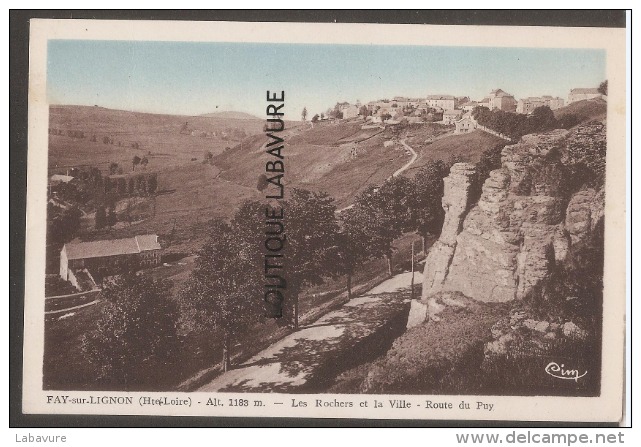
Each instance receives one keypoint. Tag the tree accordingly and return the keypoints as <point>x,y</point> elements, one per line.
<point>128,208</point>
<point>111,216</point>
<point>101,217</point>
<point>144,162</point>
<point>337,112</point>
<point>225,289</point>
<point>364,111</point>
<point>303,114</point>
<point>62,224</point>
<point>603,88</point>
<point>135,161</point>
<point>542,119</point>
<point>315,118</point>
<point>113,168</point>
<point>208,156</point>
<point>136,335</point>
<point>426,207</point>
<point>311,245</point>
<point>384,214</point>
<point>515,125</point>
<point>480,111</point>
<point>152,183</point>
<point>262,182</point>
<point>353,242</point>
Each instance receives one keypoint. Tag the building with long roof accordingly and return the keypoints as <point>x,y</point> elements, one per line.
<point>108,256</point>
<point>579,94</point>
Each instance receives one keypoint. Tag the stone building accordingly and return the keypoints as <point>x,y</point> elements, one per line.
<point>498,99</point>
<point>465,125</point>
<point>579,94</point>
<point>107,256</point>
<point>469,106</point>
<point>445,102</point>
<point>527,105</point>
<point>350,111</point>
<point>451,116</point>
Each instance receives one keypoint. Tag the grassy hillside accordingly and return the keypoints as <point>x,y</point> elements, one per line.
<point>231,115</point>
<point>340,159</point>
<point>465,147</point>
<point>159,137</point>
<point>586,110</point>
<point>343,159</point>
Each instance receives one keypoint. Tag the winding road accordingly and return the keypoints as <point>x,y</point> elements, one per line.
<point>398,172</point>
<point>409,163</point>
<point>310,358</point>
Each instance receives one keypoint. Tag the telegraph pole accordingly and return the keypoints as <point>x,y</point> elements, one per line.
<point>412,292</point>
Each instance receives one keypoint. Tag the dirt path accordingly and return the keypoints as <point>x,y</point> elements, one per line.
<point>306,360</point>
<point>409,163</point>
<point>398,172</point>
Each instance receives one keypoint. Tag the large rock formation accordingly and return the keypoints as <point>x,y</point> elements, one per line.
<point>455,203</point>
<point>505,246</point>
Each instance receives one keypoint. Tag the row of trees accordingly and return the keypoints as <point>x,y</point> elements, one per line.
<point>334,113</point>
<point>226,289</point>
<point>141,184</point>
<point>115,168</point>
<point>70,133</point>
<point>105,218</point>
<point>515,125</point>
<point>106,139</point>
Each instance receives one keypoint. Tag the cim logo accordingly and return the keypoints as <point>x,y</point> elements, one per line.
<point>560,372</point>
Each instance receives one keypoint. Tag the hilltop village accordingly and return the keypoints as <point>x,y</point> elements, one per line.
<point>449,109</point>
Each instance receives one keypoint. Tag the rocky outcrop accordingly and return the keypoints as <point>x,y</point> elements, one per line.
<point>506,246</point>
<point>456,191</point>
<point>584,211</point>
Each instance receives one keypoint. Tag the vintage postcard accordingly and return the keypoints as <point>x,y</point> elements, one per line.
<point>325,221</point>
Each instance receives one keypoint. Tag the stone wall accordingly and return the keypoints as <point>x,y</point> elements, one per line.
<point>506,246</point>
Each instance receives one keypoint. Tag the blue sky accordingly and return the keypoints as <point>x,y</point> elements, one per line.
<point>192,78</point>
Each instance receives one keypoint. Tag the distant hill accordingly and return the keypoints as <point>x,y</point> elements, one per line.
<point>586,110</point>
<point>231,115</point>
<point>166,140</point>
